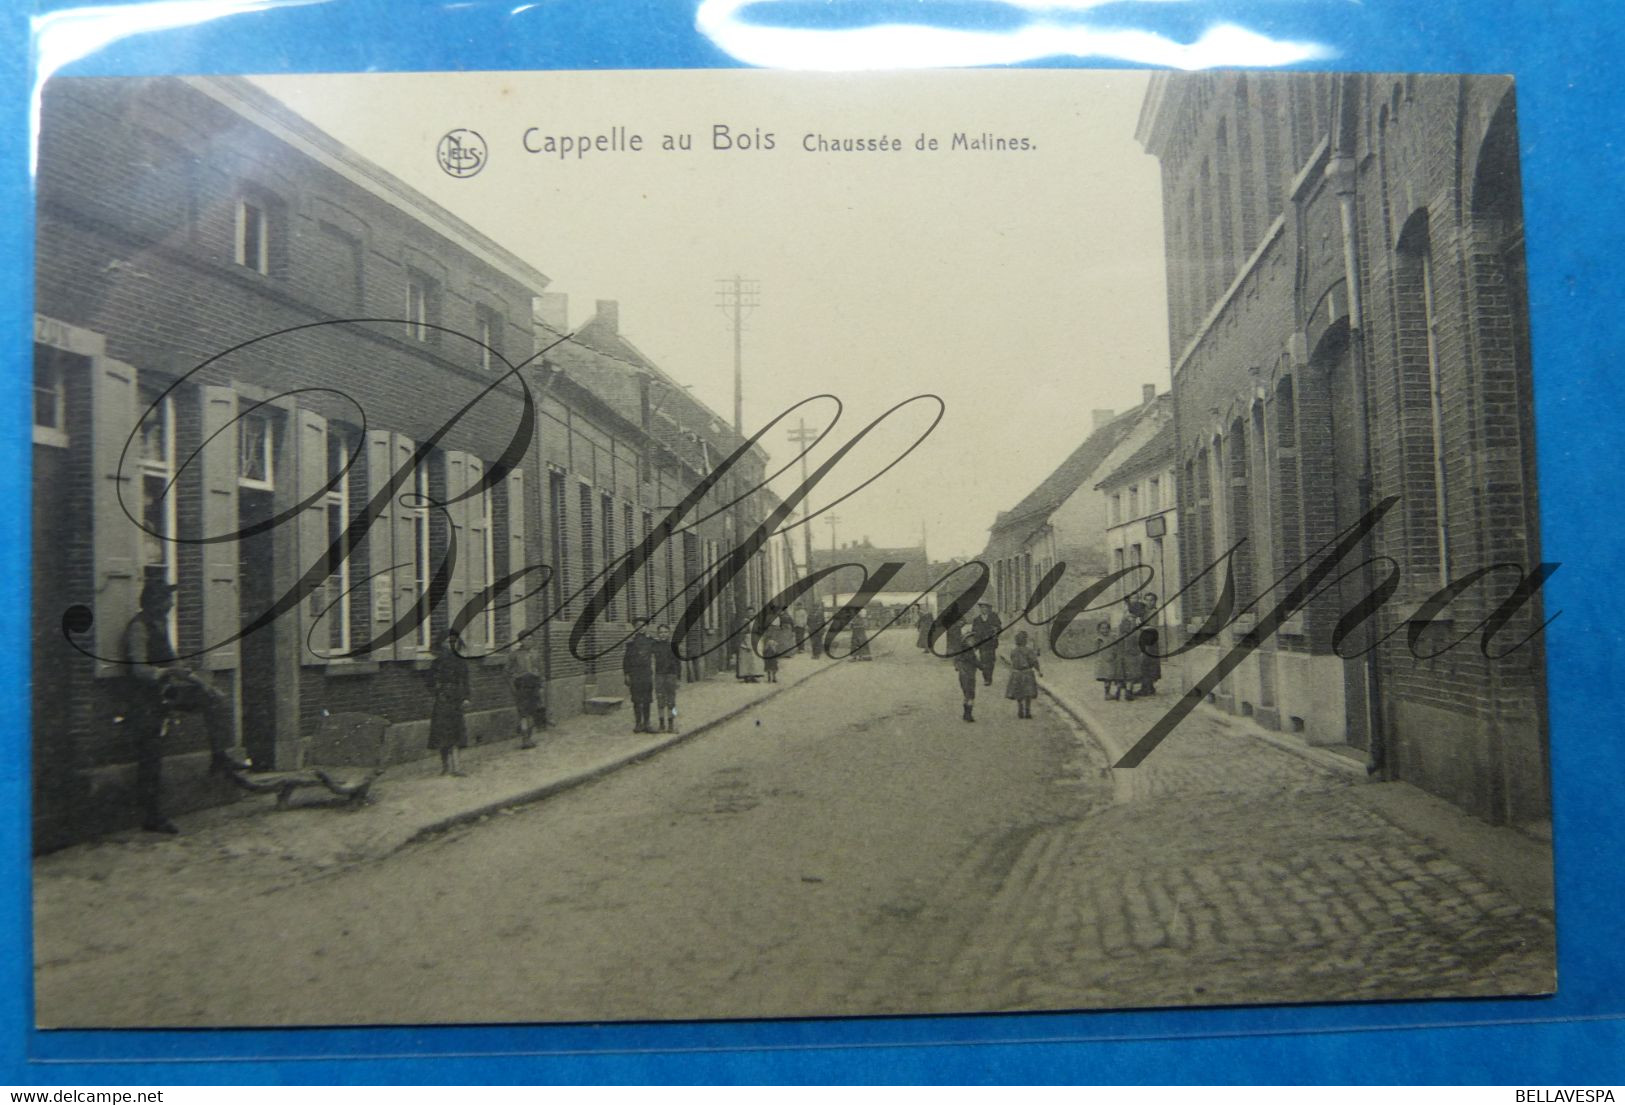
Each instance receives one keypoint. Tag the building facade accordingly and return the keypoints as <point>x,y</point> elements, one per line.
<point>1142,524</point>
<point>249,342</point>
<point>1064,520</point>
<point>1348,325</point>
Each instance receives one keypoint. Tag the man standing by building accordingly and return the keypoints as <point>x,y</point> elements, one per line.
<point>637,665</point>
<point>157,686</point>
<point>984,630</point>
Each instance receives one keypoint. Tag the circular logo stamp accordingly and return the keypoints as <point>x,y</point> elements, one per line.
<point>462,153</point>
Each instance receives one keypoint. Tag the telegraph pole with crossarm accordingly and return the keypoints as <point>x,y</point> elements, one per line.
<point>736,298</point>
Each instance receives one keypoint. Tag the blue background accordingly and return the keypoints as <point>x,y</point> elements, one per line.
<point>1568,59</point>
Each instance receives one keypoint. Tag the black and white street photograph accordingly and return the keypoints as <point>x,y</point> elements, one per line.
<point>567,547</point>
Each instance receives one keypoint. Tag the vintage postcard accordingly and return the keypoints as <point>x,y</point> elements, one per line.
<point>550,547</point>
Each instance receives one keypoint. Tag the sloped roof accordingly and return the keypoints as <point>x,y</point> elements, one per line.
<point>915,576</point>
<point>606,338</point>
<point>1073,472</point>
<point>1154,454</point>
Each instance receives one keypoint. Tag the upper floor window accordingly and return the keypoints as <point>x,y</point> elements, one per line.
<point>253,236</point>
<point>1153,495</point>
<point>418,300</point>
<point>1134,501</point>
<point>1117,509</point>
<point>488,329</point>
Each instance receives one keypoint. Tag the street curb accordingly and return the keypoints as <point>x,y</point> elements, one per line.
<point>1124,780</point>
<point>598,771</point>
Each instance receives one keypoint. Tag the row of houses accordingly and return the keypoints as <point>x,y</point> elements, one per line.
<point>245,334</point>
<point>1348,333</point>
<point>1108,507</point>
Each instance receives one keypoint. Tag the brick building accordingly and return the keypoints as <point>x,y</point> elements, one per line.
<point>244,332</point>
<point>1347,323</point>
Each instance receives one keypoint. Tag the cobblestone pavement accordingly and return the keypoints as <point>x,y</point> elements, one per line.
<point>1229,870</point>
<point>849,847</point>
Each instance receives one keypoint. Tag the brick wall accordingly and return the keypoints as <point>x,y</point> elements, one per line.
<point>140,186</point>
<point>1435,378</point>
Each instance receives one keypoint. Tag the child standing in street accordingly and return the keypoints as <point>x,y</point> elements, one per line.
<point>1105,658</point>
<point>1024,673</point>
<point>525,669</point>
<point>668,674</point>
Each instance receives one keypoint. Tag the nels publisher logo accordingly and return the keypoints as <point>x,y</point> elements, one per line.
<point>462,153</point>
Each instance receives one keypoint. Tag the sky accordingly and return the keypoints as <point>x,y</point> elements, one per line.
<point>1023,287</point>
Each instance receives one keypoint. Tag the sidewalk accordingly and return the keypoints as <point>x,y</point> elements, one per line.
<point>251,843</point>
<point>1212,752</point>
<point>1232,868</point>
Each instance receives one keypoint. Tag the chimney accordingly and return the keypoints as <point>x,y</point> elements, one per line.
<point>1148,394</point>
<point>552,309</point>
<point>609,315</point>
<point>1102,417</point>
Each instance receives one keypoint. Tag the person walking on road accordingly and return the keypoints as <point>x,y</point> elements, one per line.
<point>798,623</point>
<point>1024,672</point>
<point>668,671</point>
<point>966,667</point>
<point>773,646</point>
<point>985,632</point>
<point>922,630</point>
<point>525,671</point>
<point>448,680</point>
<point>637,665</point>
<point>860,638</point>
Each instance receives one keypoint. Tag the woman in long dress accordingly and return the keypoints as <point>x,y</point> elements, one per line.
<point>860,638</point>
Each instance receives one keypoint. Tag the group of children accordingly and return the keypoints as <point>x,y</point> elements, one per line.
<point>1126,661</point>
<point>1022,687</point>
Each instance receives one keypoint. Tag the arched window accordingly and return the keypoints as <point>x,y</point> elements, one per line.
<point>1427,474</point>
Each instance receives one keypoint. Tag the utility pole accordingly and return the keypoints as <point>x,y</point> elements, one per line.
<point>834,594</point>
<point>736,298</point>
<point>804,437</point>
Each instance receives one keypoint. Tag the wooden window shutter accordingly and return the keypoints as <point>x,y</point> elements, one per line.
<point>477,553</point>
<point>517,558</point>
<point>383,566</point>
<point>222,610</point>
<point>405,546</point>
<point>310,476</point>
<point>116,545</point>
<point>462,551</point>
